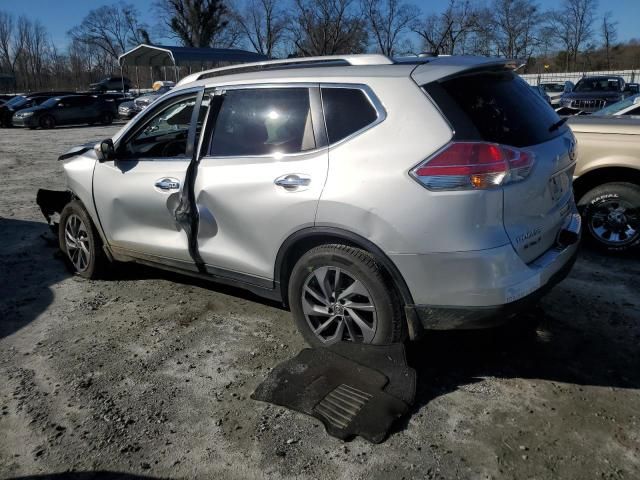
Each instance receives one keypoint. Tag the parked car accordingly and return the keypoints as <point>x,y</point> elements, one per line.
<point>116,99</point>
<point>374,198</point>
<point>541,93</point>
<point>628,106</point>
<point>111,83</point>
<point>128,110</point>
<point>555,90</point>
<point>607,179</point>
<point>67,110</point>
<point>593,93</point>
<point>20,102</point>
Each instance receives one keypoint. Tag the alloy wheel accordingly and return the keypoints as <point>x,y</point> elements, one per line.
<point>338,306</point>
<point>77,242</point>
<point>615,222</point>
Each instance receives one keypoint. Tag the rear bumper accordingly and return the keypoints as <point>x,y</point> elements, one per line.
<point>465,290</point>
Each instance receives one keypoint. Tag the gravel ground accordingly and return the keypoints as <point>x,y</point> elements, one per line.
<point>149,373</point>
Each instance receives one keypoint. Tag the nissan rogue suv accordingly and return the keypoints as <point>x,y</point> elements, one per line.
<point>373,197</point>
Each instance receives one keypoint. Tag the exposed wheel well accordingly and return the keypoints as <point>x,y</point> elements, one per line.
<point>301,242</point>
<point>600,176</point>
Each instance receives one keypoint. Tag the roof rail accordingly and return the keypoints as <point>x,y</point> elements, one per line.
<point>299,62</point>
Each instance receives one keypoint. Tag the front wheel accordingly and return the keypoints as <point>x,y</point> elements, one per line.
<point>106,118</point>
<point>611,214</point>
<point>340,293</point>
<point>47,122</point>
<point>80,242</point>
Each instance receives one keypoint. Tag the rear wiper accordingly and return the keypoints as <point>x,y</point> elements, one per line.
<point>558,124</point>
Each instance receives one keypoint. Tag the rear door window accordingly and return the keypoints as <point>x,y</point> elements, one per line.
<point>263,121</point>
<point>495,107</point>
<point>346,111</point>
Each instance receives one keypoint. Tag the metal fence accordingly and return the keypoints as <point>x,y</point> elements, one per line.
<point>630,76</point>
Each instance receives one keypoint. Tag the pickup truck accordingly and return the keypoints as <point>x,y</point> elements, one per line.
<point>607,179</point>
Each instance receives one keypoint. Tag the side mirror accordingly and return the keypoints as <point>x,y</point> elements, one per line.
<point>568,87</point>
<point>105,150</point>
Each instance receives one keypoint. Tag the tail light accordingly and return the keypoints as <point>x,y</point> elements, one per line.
<point>474,166</point>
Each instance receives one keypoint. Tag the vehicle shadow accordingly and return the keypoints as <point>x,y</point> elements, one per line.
<point>100,475</point>
<point>28,270</point>
<point>135,271</point>
<point>580,349</point>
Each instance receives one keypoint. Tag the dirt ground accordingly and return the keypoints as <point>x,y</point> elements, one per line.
<point>148,374</point>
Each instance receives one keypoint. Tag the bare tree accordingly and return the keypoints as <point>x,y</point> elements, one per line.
<point>387,21</point>
<point>263,24</point>
<point>515,25</point>
<point>327,27</point>
<point>445,32</point>
<point>111,28</point>
<point>609,31</point>
<point>36,51</point>
<point>11,41</point>
<point>577,22</point>
<point>196,23</point>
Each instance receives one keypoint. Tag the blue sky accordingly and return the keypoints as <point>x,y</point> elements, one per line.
<point>59,16</point>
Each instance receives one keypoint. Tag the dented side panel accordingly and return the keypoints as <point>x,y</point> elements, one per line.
<point>79,174</point>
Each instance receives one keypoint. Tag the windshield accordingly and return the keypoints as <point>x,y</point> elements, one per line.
<point>598,85</point>
<point>553,87</point>
<point>17,101</point>
<point>52,102</point>
<point>616,107</point>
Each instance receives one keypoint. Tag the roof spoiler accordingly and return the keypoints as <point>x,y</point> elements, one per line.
<point>441,67</point>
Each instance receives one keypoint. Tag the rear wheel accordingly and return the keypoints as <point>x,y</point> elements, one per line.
<point>47,122</point>
<point>80,242</point>
<point>106,118</point>
<point>611,215</point>
<point>339,293</point>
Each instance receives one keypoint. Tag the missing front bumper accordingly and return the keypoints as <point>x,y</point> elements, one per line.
<point>51,203</point>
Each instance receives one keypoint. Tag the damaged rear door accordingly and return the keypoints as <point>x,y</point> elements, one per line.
<point>140,195</point>
<point>263,164</point>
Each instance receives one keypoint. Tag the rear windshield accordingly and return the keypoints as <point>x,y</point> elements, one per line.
<point>495,107</point>
<point>598,84</point>
<point>553,87</point>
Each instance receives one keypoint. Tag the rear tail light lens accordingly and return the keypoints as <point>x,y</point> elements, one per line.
<point>474,166</point>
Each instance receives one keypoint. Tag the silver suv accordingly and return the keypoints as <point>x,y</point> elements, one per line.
<point>374,197</point>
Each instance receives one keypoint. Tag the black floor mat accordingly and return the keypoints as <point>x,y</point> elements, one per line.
<point>336,387</point>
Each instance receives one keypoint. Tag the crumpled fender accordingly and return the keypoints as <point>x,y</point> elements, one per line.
<point>52,202</point>
<point>77,150</point>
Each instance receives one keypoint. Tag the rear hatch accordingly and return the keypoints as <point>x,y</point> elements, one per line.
<point>493,104</point>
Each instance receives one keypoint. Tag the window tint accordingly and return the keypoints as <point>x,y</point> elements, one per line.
<point>346,111</point>
<point>76,101</point>
<point>165,134</point>
<point>263,121</point>
<point>633,111</point>
<point>495,107</point>
<point>598,84</point>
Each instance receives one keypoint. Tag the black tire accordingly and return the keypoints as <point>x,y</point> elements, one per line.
<point>47,121</point>
<point>385,323</point>
<point>106,118</point>
<point>96,261</point>
<point>611,216</point>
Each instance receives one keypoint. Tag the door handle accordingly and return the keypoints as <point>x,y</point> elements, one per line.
<point>167,184</point>
<point>293,181</point>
